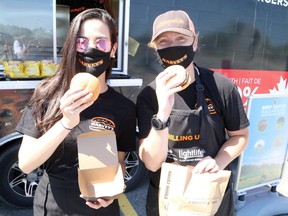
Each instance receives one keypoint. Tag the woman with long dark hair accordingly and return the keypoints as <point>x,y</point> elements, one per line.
<point>56,115</point>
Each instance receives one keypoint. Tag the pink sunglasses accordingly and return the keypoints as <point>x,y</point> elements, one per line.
<point>103,44</point>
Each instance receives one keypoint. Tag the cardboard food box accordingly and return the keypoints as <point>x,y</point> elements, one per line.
<point>99,173</point>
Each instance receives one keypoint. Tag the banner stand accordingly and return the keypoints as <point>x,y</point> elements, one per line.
<point>262,163</point>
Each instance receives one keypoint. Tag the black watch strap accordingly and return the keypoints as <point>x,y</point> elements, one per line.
<point>157,124</point>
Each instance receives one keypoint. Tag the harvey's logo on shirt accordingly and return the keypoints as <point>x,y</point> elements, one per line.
<point>101,123</point>
<point>210,105</point>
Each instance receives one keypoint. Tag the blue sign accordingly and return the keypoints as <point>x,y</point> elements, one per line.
<point>263,160</point>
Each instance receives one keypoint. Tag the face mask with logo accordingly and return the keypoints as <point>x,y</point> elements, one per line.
<point>177,55</point>
<point>94,61</point>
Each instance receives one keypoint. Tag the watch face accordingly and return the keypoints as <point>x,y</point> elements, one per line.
<point>155,123</point>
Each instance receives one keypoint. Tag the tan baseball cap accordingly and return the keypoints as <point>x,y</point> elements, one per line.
<point>174,21</point>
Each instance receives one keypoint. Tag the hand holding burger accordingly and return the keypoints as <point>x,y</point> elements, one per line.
<point>181,76</point>
<point>86,81</point>
<point>173,79</point>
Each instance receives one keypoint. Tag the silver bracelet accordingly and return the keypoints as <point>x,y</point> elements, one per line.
<point>65,127</point>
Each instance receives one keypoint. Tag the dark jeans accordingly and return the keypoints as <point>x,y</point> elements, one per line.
<point>52,198</point>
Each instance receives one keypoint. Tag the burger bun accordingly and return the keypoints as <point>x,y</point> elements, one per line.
<point>86,81</point>
<point>181,76</point>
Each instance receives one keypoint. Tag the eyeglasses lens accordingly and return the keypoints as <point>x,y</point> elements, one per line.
<point>102,44</point>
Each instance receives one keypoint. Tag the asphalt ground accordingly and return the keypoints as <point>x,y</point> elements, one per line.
<point>131,203</point>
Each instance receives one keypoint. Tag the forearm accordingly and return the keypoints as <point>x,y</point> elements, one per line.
<point>153,149</point>
<point>231,149</point>
<point>34,152</point>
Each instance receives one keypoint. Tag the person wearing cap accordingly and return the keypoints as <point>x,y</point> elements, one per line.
<point>188,126</point>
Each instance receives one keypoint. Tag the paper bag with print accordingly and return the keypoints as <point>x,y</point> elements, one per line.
<point>205,192</point>
<point>174,180</point>
<point>182,193</point>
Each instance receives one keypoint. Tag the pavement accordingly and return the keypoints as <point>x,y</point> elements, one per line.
<point>131,203</point>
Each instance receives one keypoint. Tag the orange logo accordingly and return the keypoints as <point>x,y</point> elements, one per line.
<point>177,138</point>
<point>100,123</point>
<point>210,106</point>
<point>178,61</point>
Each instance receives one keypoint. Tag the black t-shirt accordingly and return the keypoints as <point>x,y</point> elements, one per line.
<point>111,111</point>
<point>222,97</point>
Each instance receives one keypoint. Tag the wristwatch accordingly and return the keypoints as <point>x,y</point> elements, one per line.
<point>157,124</point>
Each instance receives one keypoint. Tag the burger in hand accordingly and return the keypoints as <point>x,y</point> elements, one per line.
<point>87,81</point>
<point>181,77</point>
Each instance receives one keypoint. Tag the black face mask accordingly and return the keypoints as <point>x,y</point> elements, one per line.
<point>94,61</point>
<point>177,55</point>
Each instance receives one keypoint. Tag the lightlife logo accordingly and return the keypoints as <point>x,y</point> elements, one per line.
<point>191,153</point>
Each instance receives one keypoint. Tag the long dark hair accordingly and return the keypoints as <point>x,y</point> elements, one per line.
<point>46,97</point>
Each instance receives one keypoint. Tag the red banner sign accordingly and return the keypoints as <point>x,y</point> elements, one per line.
<point>257,81</point>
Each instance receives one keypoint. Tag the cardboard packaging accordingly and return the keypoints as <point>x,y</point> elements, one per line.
<point>99,173</point>
<point>183,193</point>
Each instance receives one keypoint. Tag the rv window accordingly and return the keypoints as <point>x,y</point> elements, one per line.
<point>66,10</point>
<point>27,28</point>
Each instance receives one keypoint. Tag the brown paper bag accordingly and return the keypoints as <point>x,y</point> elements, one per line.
<point>182,193</point>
